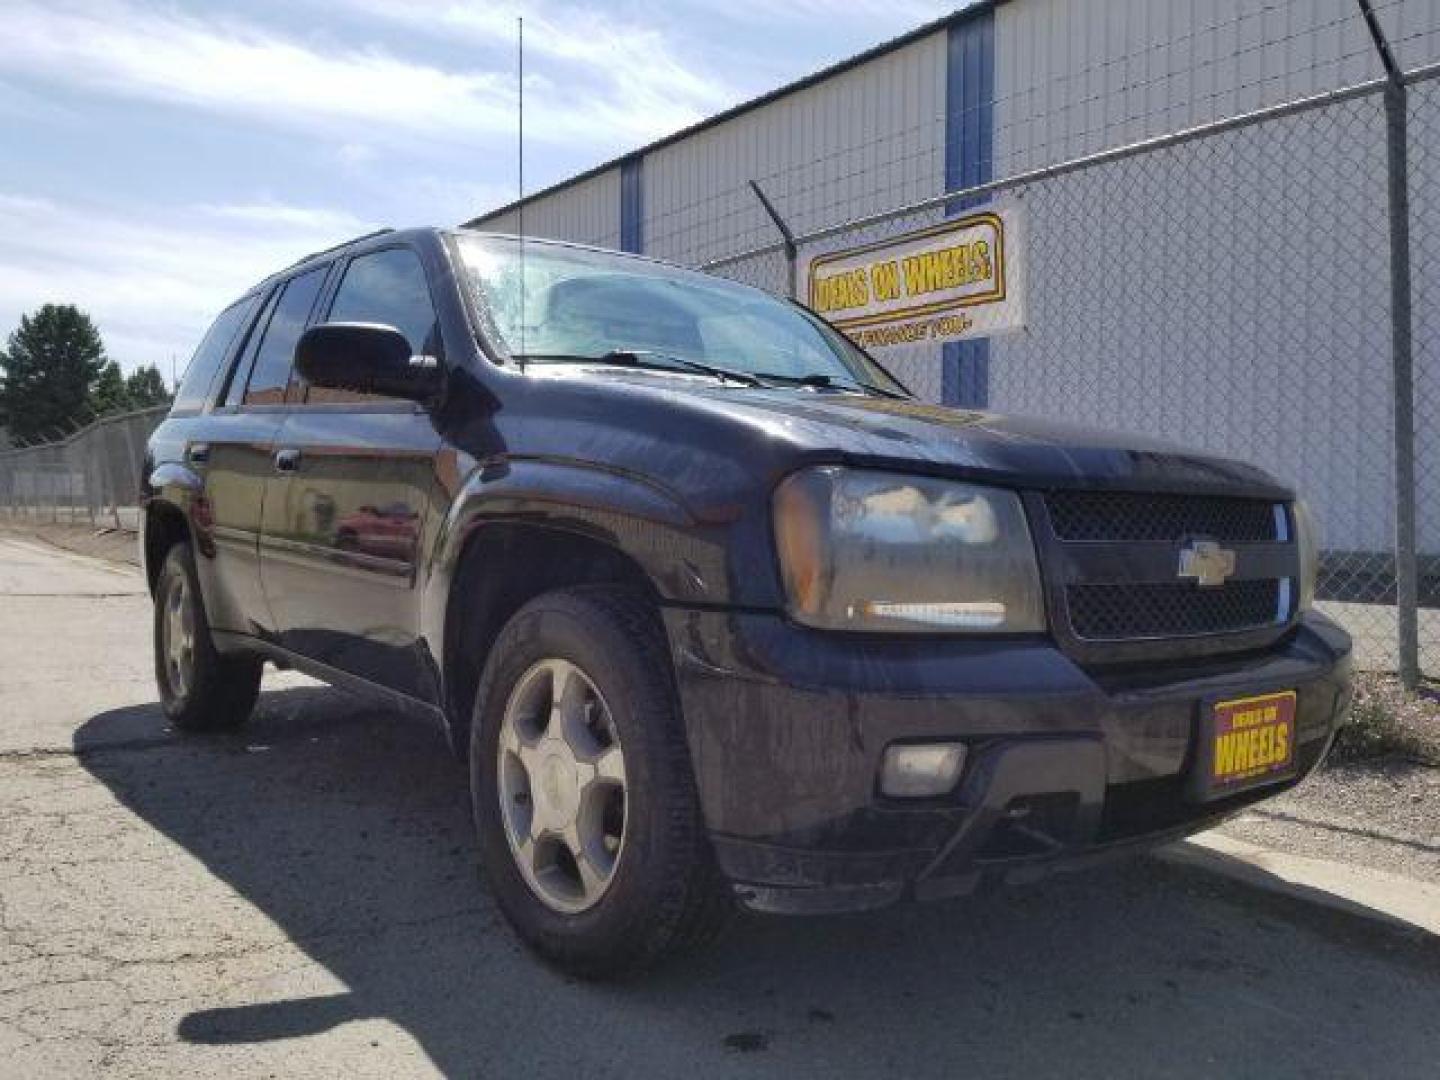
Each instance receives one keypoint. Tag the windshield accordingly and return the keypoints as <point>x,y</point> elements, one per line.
<point>574,303</point>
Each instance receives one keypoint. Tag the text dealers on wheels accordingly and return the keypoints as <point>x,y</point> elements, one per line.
<point>716,611</point>
<point>952,280</point>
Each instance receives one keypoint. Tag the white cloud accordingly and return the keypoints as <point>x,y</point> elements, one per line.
<point>354,155</point>
<point>634,61</point>
<point>304,219</point>
<point>121,48</point>
<point>152,280</point>
<point>889,13</point>
<point>17,101</point>
<point>444,199</point>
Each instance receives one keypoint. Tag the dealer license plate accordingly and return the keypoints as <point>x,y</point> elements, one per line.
<point>1251,740</point>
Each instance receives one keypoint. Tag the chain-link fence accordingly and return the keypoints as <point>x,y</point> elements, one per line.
<point>93,476</point>
<point>1229,288</point>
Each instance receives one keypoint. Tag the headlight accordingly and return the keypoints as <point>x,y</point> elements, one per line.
<point>863,550</point>
<point>1307,538</point>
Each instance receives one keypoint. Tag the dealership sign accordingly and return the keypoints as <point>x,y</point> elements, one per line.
<point>950,281</point>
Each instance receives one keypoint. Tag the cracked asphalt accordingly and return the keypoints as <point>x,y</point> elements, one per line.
<point>301,900</point>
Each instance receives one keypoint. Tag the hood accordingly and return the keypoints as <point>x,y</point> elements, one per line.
<point>1019,451</point>
<point>796,427</point>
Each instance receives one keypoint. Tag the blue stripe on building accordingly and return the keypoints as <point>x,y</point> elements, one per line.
<point>632,204</point>
<point>969,160</point>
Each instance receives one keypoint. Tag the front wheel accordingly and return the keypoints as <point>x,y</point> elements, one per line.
<point>200,690</point>
<point>590,828</point>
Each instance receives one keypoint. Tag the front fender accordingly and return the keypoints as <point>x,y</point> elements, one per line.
<point>683,557</point>
<point>688,560</point>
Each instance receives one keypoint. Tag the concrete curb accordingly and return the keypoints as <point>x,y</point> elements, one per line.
<point>1357,890</point>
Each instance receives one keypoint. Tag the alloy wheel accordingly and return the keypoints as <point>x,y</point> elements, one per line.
<point>178,630</point>
<point>561,783</point>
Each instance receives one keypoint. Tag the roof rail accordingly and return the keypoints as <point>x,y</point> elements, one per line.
<point>343,244</point>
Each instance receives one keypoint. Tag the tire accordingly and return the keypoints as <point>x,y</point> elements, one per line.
<point>211,692</point>
<point>663,893</point>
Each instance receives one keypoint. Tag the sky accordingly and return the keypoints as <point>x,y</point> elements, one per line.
<point>157,157</point>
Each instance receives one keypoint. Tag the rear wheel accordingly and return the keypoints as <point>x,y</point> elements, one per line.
<point>590,829</point>
<point>200,690</point>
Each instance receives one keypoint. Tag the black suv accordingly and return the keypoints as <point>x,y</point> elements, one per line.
<point>714,608</point>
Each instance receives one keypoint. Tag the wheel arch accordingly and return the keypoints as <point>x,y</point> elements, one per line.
<point>536,558</point>
<point>164,525</point>
<point>169,491</point>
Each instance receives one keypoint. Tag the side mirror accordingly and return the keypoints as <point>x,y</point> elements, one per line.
<point>368,358</point>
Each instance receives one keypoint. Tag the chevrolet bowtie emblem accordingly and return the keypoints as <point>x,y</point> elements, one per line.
<point>1206,562</point>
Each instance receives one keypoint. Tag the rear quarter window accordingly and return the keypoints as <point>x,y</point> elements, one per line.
<point>205,366</point>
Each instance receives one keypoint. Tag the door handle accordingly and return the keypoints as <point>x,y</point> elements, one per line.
<point>287,460</point>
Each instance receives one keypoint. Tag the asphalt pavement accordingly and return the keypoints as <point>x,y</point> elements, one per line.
<point>301,899</point>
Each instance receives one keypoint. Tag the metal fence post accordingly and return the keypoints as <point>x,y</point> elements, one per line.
<point>791,251</point>
<point>136,448</point>
<point>1402,359</point>
<point>1407,587</point>
<point>109,459</point>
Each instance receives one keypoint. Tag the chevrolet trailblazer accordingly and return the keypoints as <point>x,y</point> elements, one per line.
<point>713,607</point>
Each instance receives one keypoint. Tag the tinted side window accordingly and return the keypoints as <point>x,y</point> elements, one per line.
<point>210,356</point>
<point>387,287</point>
<point>240,371</point>
<point>270,374</point>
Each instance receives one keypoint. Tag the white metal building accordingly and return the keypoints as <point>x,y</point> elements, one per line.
<point>995,88</point>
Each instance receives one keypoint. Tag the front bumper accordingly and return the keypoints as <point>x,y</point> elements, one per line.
<point>1067,765</point>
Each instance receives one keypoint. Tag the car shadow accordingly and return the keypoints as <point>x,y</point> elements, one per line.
<point>348,826</point>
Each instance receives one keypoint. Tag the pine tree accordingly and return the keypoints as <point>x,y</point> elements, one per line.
<point>50,364</point>
<point>110,394</point>
<point>145,388</point>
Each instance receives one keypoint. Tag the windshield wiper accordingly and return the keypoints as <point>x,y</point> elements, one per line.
<point>829,382</point>
<point>663,361</point>
<point>648,358</point>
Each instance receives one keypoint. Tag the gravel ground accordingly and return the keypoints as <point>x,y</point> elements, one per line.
<point>1389,721</point>
<point>1383,814</point>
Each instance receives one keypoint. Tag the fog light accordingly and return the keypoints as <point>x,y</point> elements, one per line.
<point>918,770</point>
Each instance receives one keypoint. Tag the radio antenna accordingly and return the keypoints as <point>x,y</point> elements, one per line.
<point>520,169</point>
